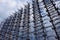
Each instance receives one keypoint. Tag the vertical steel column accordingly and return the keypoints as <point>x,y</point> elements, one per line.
<point>39,35</point>
<point>27,21</point>
<point>41,20</point>
<point>46,23</point>
<point>53,15</point>
<point>28,27</point>
<point>35,32</point>
<point>20,24</point>
<point>55,7</point>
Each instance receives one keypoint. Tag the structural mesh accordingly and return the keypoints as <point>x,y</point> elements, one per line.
<point>39,20</point>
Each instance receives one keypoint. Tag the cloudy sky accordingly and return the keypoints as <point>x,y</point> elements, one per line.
<point>7,7</point>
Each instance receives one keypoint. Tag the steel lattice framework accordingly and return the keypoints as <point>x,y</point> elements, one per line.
<point>37,21</point>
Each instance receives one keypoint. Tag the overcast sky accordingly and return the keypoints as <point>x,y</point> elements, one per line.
<point>7,7</point>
